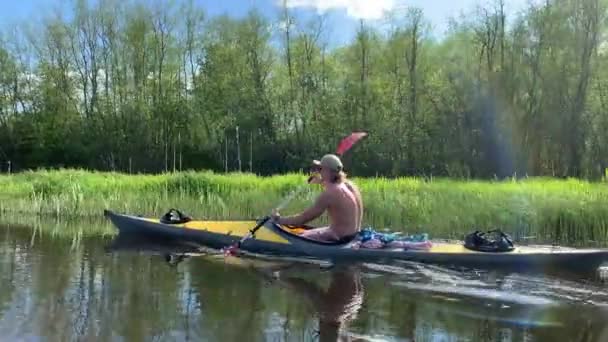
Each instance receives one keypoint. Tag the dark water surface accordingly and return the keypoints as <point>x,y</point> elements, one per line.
<point>56,289</point>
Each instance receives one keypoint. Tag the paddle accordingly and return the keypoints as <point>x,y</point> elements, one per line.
<point>344,145</point>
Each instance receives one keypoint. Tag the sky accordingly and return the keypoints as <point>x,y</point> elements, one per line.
<point>342,15</point>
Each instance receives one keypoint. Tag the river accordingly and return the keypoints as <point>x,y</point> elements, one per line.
<point>58,289</point>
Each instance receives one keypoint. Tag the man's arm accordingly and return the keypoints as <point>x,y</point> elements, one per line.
<point>317,209</point>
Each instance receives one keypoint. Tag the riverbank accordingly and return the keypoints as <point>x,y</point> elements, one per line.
<point>573,212</point>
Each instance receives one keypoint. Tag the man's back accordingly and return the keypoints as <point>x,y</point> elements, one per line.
<point>355,190</point>
<point>344,209</point>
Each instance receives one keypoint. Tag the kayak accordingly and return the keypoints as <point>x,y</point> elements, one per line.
<point>286,241</point>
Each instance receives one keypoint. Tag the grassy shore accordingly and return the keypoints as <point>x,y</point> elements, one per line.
<point>573,212</point>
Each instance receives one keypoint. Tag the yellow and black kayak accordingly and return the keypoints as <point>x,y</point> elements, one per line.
<point>279,240</point>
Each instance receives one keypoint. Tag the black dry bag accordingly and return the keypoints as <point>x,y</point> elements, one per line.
<point>492,241</point>
<point>174,216</point>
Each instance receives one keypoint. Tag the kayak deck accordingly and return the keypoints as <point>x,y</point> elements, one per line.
<point>285,241</point>
<point>233,228</point>
<point>239,229</point>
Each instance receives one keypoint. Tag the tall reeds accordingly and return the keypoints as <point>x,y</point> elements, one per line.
<point>563,211</point>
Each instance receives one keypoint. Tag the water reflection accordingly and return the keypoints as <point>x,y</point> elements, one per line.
<point>52,289</point>
<point>335,305</point>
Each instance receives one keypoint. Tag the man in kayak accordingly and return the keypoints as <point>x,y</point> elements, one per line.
<point>340,198</point>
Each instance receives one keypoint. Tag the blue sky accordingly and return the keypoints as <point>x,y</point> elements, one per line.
<point>342,15</point>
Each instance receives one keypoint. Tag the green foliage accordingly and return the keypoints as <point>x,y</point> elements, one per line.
<point>563,211</point>
<point>151,87</point>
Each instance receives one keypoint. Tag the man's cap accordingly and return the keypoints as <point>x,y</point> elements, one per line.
<point>330,161</point>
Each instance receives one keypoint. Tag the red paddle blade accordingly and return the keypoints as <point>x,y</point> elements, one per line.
<point>349,141</point>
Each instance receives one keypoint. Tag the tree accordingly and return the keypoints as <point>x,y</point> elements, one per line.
<point>158,86</point>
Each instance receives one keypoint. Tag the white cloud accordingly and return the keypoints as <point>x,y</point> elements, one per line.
<point>360,9</point>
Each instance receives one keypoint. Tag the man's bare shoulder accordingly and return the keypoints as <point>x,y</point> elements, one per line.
<point>352,186</point>
<point>328,194</point>
<point>330,191</point>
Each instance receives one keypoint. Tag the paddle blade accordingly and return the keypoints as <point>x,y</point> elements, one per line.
<point>349,141</point>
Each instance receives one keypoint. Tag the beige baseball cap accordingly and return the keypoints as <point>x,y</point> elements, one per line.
<point>330,161</point>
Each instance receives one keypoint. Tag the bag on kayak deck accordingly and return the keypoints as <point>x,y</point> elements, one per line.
<point>492,241</point>
<point>369,233</point>
<point>174,216</point>
<point>371,239</point>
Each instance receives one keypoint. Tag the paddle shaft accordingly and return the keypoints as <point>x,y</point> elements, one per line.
<point>252,231</point>
<point>267,218</point>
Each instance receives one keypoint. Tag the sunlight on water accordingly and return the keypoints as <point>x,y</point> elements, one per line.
<point>486,294</point>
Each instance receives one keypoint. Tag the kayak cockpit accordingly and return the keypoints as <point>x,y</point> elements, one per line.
<point>294,233</point>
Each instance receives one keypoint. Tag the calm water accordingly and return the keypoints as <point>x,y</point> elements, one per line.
<point>53,289</point>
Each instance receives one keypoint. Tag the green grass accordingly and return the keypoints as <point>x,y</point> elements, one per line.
<point>573,212</point>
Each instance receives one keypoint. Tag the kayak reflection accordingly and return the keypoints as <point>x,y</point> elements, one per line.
<point>336,305</point>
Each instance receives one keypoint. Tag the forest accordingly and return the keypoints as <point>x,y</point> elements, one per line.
<point>136,86</point>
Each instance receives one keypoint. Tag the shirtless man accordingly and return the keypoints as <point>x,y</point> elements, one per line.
<point>341,199</point>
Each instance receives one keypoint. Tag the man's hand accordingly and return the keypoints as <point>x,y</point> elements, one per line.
<point>315,178</point>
